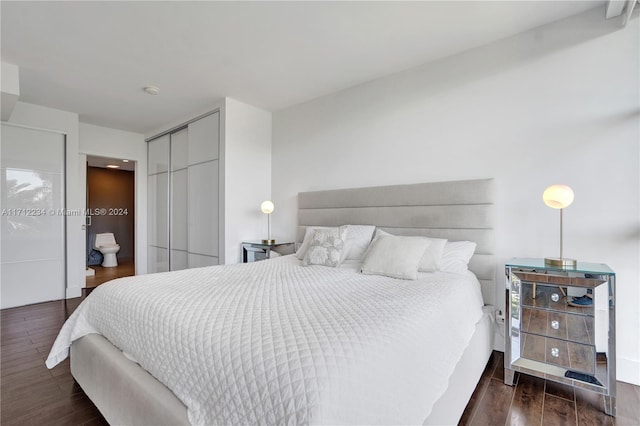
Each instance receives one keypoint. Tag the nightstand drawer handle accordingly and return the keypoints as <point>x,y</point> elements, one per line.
<point>555,297</point>
<point>555,352</point>
<point>555,324</point>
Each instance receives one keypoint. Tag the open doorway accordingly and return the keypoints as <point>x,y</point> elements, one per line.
<point>110,219</point>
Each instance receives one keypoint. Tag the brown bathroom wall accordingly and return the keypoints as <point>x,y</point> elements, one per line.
<point>113,190</point>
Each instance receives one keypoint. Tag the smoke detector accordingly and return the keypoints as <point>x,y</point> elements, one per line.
<point>152,90</point>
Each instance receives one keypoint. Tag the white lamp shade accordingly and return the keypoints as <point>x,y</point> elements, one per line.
<point>267,207</point>
<point>558,196</point>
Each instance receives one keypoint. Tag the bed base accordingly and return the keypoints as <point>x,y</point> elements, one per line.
<point>126,394</point>
<point>449,407</point>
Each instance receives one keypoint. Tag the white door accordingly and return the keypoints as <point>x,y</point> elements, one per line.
<point>32,253</point>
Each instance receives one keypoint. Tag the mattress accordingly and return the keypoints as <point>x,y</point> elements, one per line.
<point>274,342</point>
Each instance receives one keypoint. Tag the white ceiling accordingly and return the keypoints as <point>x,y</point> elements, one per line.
<point>93,58</point>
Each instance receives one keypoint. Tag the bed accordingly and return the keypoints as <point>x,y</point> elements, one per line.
<point>342,347</point>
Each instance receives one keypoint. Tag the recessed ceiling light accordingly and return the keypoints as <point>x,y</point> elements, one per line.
<point>125,161</point>
<point>112,166</point>
<point>152,90</point>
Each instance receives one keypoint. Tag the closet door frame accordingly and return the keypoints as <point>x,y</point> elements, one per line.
<point>178,255</point>
<point>154,175</point>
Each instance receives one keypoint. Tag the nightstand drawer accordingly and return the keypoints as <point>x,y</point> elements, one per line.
<point>591,280</point>
<point>575,328</point>
<point>550,297</point>
<point>569,355</point>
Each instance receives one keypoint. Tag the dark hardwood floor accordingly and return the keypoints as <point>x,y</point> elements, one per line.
<point>33,395</point>
<point>125,268</point>
<point>534,401</point>
<point>30,393</point>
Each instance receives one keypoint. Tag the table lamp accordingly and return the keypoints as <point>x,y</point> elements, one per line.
<point>267,208</point>
<point>559,197</point>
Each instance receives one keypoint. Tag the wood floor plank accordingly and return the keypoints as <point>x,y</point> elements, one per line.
<point>528,400</point>
<point>21,364</point>
<point>590,408</point>
<point>41,390</point>
<point>61,369</point>
<point>44,414</point>
<point>30,375</point>
<point>560,390</point>
<point>558,411</point>
<point>628,405</point>
<point>67,385</point>
<point>479,391</point>
<point>23,353</point>
<point>26,408</point>
<point>494,410</point>
<point>498,373</point>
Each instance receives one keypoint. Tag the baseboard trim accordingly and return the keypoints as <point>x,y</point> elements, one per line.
<point>73,292</point>
<point>628,370</point>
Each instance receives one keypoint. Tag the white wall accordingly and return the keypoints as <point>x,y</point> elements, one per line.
<point>65,122</point>
<point>558,104</point>
<point>106,142</point>
<point>247,175</point>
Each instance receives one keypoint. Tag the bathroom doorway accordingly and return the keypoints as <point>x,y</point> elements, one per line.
<point>110,219</point>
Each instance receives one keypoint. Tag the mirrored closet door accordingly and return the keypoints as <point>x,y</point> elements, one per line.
<point>184,196</point>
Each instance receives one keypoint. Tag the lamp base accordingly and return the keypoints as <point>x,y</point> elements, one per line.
<point>560,262</point>
<point>269,242</point>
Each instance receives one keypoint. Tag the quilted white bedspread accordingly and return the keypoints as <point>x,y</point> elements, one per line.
<point>273,342</point>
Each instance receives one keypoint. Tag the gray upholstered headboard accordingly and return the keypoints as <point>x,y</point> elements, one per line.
<point>459,210</point>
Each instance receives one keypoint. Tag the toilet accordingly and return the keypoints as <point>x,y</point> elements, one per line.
<point>106,244</point>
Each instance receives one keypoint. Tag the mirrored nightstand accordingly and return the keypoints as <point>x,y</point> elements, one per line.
<point>253,251</point>
<point>561,325</point>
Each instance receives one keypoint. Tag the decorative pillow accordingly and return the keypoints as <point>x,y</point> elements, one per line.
<point>306,241</point>
<point>456,256</point>
<point>358,240</point>
<point>393,256</point>
<point>432,256</point>
<point>326,247</point>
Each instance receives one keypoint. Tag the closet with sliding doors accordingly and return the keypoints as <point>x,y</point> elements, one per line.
<point>183,196</point>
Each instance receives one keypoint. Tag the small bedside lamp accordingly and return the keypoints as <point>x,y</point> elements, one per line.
<point>559,197</point>
<point>267,208</point>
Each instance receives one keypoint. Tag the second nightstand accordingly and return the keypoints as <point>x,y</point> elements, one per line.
<point>253,251</point>
<point>561,325</point>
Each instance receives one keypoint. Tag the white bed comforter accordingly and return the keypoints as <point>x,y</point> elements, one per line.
<point>273,342</point>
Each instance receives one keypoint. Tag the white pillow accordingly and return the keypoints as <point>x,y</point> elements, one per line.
<point>432,256</point>
<point>393,256</point>
<point>326,247</point>
<point>456,256</point>
<point>358,240</point>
